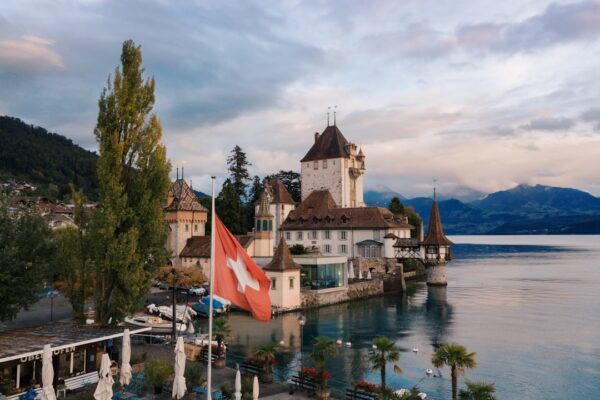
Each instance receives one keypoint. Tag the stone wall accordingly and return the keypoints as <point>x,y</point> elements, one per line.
<point>358,290</point>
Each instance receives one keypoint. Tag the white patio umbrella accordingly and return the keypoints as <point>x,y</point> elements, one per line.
<point>360,274</point>
<point>351,270</point>
<point>190,323</point>
<point>47,375</point>
<point>125,376</point>
<point>179,387</point>
<point>369,274</point>
<point>238,385</point>
<point>105,383</point>
<point>255,388</point>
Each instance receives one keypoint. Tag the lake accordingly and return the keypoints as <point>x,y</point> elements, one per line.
<point>529,306</point>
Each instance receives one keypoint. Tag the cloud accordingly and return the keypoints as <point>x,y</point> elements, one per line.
<point>592,115</point>
<point>558,23</point>
<point>549,124</point>
<point>29,52</point>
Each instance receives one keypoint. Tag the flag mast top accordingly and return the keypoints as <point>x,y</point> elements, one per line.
<point>212,285</point>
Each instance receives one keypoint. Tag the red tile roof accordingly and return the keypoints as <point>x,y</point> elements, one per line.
<point>199,246</point>
<point>319,211</point>
<point>435,232</point>
<point>184,198</point>
<point>329,144</point>
<point>282,259</point>
<point>279,192</point>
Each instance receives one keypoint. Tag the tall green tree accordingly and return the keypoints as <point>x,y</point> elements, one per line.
<point>292,181</point>
<point>396,206</point>
<point>133,174</point>
<point>229,208</point>
<point>73,262</point>
<point>26,252</point>
<point>457,358</point>
<point>238,169</point>
<point>415,220</point>
<point>323,349</point>
<point>384,352</point>
<point>477,391</point>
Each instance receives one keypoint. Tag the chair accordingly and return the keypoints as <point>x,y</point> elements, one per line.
<point>61,388</point>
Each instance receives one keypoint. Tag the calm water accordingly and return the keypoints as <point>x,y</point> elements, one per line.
<point>528,305</point>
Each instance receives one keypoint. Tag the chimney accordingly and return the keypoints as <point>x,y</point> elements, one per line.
<point>316,136</point>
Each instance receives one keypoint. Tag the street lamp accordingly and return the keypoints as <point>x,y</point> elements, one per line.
<point>174,319</point>
<point>301,322</point>
<point>51,295</point>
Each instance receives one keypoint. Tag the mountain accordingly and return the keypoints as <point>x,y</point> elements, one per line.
<point>380,196</point>
<point>48,160</point>
<point>521,210</point>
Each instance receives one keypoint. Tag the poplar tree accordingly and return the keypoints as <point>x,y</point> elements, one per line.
<point>133,175</point>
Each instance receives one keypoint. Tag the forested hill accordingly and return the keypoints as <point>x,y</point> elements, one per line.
<point>48,160</point>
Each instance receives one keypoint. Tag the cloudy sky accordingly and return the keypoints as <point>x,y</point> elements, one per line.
<point>482,95</point>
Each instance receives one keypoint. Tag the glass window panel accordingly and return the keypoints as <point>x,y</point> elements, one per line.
<point>79,362</point>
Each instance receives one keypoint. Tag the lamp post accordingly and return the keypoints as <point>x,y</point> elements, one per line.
<point>51,295</point>
<point>174,319</point>
<point>301,322</point>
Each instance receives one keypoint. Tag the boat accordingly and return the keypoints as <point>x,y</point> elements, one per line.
<point>167,312</point>
<point>220,305</point>
<point>157,324</point>
<point>202,309</point>
<point>429,371</point>
<point>415,350</point>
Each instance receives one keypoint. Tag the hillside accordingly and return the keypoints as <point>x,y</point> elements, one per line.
<point>522,210</point>
<point>49,160</point>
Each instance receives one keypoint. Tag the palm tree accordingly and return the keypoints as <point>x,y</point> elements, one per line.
<point>266,355</point>
<point>478,391</point>
<point>457,358</point>
<point>221,330</point>
<point>323,348</point>
<point>384,351</point>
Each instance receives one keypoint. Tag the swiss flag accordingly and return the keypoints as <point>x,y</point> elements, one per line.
<point>237,277</point>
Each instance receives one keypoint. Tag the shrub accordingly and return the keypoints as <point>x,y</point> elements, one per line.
<point>194,374</point>
<point>157,371</point>
<point>366,386</point>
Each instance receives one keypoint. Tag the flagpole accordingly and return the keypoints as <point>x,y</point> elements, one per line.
<point>212,285</point>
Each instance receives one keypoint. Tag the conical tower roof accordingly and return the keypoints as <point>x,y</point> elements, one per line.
<point>282,259</point>
<point>329,144</point>
<point>435,232</point>
<point>184,198</point>
<point>263,206</point>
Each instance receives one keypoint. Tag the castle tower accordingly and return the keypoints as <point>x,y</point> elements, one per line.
<point>334,164</point>
<point>285,278</point>
<point>436,248</point>
<point>280,205</point>
<point>184,215</point>
<point>263,237</point>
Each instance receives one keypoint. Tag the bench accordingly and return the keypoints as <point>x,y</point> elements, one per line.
<point>251,369</point>
<point>355,394</point>
<point>301,383</point>
<point>82,380</point>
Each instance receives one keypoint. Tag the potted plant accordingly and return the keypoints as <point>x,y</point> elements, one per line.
<point>156,372</point>
<point>221,331</point>
<point>366,386</point>
<point>323,348</point>
<point>265,355</point>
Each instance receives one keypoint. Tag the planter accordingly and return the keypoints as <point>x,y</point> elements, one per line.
<point>266,378</point>
<point>323,394</point>
<point>219,363</point>
<point>137,367</point>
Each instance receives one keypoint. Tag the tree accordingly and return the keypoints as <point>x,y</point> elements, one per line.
<point>323,348</point>
<point>415,220</point>
<point>238,169</point>
<point>266,356</point>
<point>72,261</point>
<point>26,252</point>
<point>384,351</point>
<point>478,391</point>
<point>133,174</point>
<point>457,358</point>
<point>221,331</point>
<point>184,276</point>
<point>229,208</point>
<point>396,206</point>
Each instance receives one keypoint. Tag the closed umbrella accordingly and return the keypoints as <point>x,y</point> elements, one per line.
<point>125,376</point>
<point>238,385</point>
<point>360,274</point>
<point>179,387</point>
<point>351,271</point>
<point>255,388</point>
<point>47,375</point>
<point>190,323</point>
<point>369,274</point>
<point>105,383</point>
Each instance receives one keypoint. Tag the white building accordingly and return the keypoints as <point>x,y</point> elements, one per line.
<point>336,165</point>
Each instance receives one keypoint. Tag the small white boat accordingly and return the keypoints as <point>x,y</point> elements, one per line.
<point>167,312</point>
<point>429,371</point>
<point>157,324</point>
<point>422,395</point>
<point>415,350</point>
<point>348,344</point>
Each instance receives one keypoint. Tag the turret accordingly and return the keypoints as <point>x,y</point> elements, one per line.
<point>263,239</point>
<point>436,247</point>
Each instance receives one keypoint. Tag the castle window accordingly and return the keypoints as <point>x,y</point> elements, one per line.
<point>257,225</point>
<point>316,165</point>
<point>299,235</point>
<point>270,225</point>
<point>343,235</point>
<point>324,164</point>
<point>313,235</point>
<point>195,227</point>
<point>187,227</point>
<point>273,283</point>
<point>288,236</point>
<point>326,249</point>
<point>265,225</point>
<point>333,162</point>
<point>327,235</point>
<point>343,249</point>
<point>291,283</point>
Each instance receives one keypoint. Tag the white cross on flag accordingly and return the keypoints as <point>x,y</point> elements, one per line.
<point>237,277</point>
